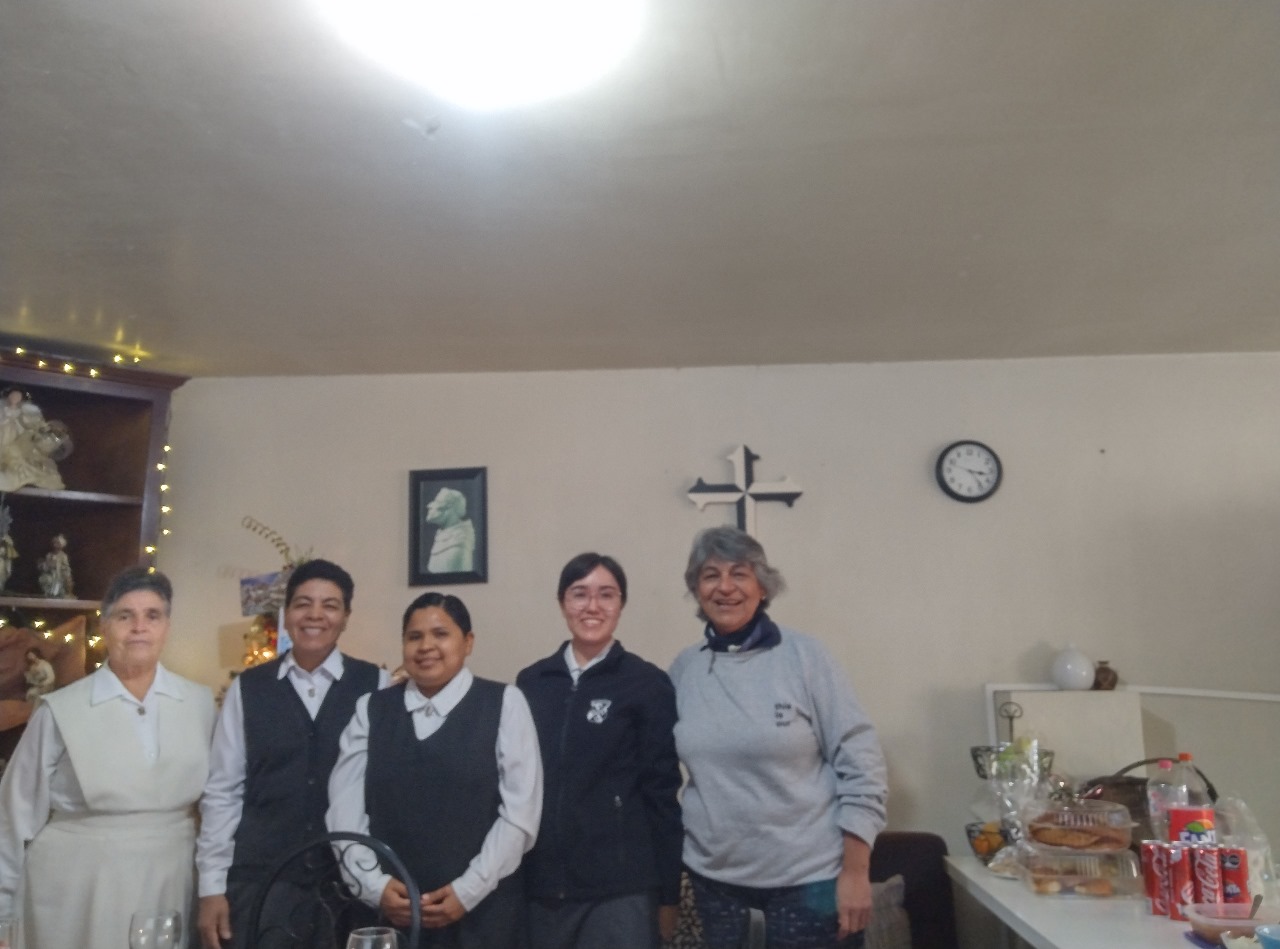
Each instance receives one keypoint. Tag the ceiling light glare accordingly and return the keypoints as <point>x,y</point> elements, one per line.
<point>492,54</point>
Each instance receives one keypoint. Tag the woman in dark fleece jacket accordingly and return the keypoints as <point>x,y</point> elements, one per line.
<point>605,871</point>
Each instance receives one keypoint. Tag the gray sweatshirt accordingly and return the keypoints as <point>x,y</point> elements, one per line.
<point>781,758</point>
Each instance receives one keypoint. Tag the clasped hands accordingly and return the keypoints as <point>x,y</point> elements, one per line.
<point>439,907</point>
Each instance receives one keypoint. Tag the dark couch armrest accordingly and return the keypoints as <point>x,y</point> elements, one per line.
<point>918,856</point>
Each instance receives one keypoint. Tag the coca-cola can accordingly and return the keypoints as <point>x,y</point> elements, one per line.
<point>1206,873</point>
<point>1155,875</point>
<point>1234,865</point>
<point>1182,888</point>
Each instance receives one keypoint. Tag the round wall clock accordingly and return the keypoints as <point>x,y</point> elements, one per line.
<point>968,471</point>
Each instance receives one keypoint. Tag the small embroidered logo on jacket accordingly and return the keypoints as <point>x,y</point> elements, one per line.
<point>599,710</point>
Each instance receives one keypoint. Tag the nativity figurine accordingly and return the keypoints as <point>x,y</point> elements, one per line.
<point>55,570</point>
<point>39,675</point>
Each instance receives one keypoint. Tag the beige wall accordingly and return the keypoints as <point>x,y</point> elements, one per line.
<point>1139,518</point>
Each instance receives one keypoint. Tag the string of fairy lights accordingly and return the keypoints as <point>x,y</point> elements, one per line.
<point>95,650</point>
<point>92,370</point>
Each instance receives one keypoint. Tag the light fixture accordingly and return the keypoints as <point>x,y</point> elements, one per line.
<point>492,54</point>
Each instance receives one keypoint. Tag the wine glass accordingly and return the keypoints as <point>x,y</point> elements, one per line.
<point>373,937</point>
<point>162,931</point>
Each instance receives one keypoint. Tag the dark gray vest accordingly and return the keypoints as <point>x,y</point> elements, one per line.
<point>433,802</point>
<point>288,758</point>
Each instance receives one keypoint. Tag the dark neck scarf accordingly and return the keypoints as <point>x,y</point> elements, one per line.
<point>760,633</point>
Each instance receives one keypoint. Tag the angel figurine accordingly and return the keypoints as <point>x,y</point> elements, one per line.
<point>30,447</point>
<point>17,414</point>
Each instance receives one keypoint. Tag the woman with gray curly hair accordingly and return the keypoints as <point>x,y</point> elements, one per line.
<point>787,788</point>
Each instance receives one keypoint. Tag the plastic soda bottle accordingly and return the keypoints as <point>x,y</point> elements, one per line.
<point>1191,821</point>
<point>1162,794</point>
<point>1186,775</point>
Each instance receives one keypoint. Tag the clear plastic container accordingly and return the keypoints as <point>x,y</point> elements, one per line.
<point>1210,921</point>
<point>1101,874</point>
<point>1087,825</point>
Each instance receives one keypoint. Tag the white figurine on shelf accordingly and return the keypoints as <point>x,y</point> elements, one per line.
<point>39,675</point>
<point>8,554</point>
<point>17,415</point>
<point>8,551</point>
<point>55,570</point>
<point>30,447</point>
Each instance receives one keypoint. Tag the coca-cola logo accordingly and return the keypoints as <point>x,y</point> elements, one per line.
<point>1207,869</point>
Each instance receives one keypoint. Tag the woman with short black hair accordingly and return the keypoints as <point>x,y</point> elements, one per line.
<point>444,769</point>
<point>605,872</point>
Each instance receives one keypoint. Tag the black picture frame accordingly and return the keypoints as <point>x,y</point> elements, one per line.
<point>453,565</point>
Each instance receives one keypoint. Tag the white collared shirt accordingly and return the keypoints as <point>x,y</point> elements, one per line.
<point>519,786</point>
<point>570,660</point>
<point>108,687</point>
<point>40,778</point>
<point>223,799</point>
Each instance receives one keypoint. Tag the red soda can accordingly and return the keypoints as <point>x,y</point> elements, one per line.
<point>1206,873</point>
<point>1234,865</point>
<point>1155,875</point>
<point>1182,888</point>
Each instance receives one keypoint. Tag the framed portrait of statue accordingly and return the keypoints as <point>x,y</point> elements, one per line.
<point>448,527</point>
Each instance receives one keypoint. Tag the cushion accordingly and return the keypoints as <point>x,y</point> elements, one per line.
<point>889,927</point>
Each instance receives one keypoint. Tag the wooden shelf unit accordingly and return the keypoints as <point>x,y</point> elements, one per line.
<point>110,508</point>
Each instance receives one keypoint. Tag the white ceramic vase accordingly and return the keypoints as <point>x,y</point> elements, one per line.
<point>1072,669</point>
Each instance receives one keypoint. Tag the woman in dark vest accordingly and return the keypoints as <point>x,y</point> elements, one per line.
<point>445,769</point>
<point>274,746</point>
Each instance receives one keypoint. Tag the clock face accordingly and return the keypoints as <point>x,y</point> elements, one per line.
<point>968,471</point>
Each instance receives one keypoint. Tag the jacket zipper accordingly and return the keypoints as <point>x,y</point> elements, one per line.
<point>564,744</point>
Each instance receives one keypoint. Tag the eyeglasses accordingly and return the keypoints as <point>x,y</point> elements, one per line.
<point>579,598</point>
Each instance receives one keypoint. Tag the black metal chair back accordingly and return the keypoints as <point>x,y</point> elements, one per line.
<point>312,904</point>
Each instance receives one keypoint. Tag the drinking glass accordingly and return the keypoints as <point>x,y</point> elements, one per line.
<point>8,932</point>
<point>161,931</point>
<point>373,937</point>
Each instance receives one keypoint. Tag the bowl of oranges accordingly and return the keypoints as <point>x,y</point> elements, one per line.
<point>986,839</point>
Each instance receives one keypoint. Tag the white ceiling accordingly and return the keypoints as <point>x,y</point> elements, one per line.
<point>221,184</point>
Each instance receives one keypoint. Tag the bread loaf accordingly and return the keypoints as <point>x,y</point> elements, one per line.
<point>1054,829</point>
